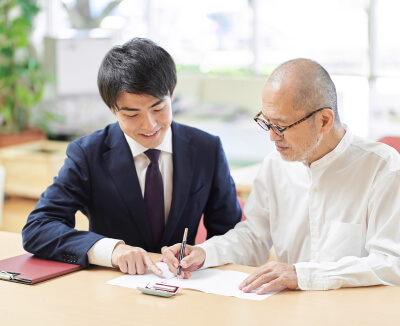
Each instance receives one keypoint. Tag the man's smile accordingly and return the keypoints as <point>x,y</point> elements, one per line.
<point>151,134</point>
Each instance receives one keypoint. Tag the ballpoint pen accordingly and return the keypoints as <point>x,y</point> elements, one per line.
<point>182,253</point>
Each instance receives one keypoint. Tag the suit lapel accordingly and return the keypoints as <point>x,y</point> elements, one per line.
<point>119,162</point>
<point>184,157</point>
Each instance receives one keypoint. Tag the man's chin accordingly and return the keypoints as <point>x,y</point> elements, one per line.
<point>287,159</point>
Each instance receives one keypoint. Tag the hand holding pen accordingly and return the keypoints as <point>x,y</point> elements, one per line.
<point>194,259</point>
<point>183,246</point>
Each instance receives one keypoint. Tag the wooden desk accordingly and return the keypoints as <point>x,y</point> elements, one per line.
<point>83,298</point>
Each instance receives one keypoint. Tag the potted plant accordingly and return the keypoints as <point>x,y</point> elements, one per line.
<point>21,77</point>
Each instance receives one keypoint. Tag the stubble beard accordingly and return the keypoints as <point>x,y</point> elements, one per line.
<point>306,151</point>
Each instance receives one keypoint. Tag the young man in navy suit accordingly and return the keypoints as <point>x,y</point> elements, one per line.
<point>106,174</point>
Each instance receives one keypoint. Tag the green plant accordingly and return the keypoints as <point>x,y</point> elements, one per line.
<point>21,78</point>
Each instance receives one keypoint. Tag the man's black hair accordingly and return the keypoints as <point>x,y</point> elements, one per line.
<point>139,66</point>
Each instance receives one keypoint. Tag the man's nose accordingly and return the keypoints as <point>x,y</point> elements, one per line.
<point>273,136</point>
<point>148,122</point>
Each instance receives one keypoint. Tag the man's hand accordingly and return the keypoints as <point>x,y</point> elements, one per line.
<point>272,275</point>
<point>133,260</point>
<point>193,259</point>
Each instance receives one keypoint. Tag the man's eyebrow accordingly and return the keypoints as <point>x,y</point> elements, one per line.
<point>133,109</point>
<point>158,102</point>
<point>127,109</point>
<point>274,119</point>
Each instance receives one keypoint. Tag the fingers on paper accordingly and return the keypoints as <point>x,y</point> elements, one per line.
<point>270,277</point>
<point>133,260</point>
<point>256,279</point>
<point>149,263</point>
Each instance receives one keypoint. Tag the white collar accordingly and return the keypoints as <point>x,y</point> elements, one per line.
<point>337,151</point>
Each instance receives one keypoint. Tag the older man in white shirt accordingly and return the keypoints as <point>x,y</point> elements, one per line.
<point>327,200</point>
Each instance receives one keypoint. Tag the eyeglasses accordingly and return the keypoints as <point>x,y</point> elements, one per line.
<point>278,130</point>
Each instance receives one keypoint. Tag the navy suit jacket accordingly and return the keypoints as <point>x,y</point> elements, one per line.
<point>99,179</point>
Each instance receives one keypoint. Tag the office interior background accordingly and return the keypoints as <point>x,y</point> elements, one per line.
<point>224,51</point>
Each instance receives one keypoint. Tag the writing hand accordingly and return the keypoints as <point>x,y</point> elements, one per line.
<point>271,276</point>
<point>133,260</point>
<point>193,259</point>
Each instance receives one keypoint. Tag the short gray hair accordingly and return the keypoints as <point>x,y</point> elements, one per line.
<point>314,86</point>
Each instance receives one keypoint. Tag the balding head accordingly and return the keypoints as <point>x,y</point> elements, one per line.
<point>310,84</point>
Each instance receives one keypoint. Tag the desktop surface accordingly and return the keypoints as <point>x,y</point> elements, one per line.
<point>83,298</point>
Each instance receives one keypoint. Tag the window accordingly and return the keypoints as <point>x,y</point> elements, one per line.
<point>353,40</point>
<point>334,33</point>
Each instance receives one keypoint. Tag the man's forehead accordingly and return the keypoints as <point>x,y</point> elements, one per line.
<point>278,108</point>
<point>284,86</point>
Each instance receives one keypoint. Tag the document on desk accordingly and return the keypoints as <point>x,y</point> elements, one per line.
<point>212,280</point>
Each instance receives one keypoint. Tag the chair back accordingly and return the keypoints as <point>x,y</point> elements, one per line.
<point>391,141</point>
<point>201,235</point>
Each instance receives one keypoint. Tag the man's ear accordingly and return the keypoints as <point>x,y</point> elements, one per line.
<point>327,119</point>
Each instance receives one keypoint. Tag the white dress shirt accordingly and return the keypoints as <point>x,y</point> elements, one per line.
<point>100,253</point>
<point>337,221</point>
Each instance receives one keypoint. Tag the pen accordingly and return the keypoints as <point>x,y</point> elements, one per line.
<point>182,253</point>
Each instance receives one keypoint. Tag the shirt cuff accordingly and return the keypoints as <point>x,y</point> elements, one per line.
<point>100,253</point>
<point>310,277</point>
<point>211,256</point>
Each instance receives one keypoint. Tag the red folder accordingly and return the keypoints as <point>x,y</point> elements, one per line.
<point>29,269</point>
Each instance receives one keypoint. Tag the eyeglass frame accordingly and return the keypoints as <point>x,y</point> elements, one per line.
<point>278,130</point>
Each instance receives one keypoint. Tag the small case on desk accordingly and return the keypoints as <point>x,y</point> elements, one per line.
<point>29,269</point>
<point>160,289</point>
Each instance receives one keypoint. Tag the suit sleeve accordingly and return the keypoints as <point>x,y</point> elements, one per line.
<point>222,211</point>
<point>49,231</point>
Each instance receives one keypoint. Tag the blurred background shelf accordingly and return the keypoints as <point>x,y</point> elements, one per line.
<point>31,167</point>
<point>17,209</point>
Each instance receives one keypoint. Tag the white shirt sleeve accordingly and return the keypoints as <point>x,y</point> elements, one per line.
<point>100,253</point>
<point>249,243</point>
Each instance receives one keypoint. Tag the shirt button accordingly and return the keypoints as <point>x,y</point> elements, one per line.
<point>313,255</point>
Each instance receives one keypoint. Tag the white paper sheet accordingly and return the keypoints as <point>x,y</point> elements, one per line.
<point>207,280</point>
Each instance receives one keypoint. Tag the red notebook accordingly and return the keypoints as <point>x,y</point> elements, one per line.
<point>29,269</point>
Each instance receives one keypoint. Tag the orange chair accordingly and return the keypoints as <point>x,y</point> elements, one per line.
<point>391,141</point>
<point>202,232</point>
